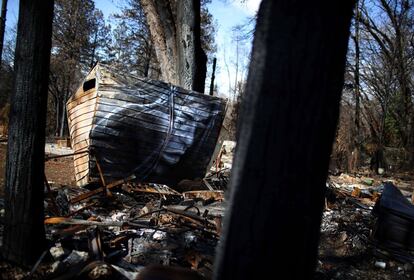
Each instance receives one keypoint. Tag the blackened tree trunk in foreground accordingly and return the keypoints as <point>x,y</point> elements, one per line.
<point>24,237</point>
<point>287,127</point>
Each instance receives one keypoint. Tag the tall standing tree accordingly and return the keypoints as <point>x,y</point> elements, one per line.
<point>78,32</point>
<point>132,47</point>
<point>24,236</point>
<point>99,39</point>
<point>6,71</point>
<point>287,127</point>
<point>379,96</point>
<point>353,163</point>
<point>176,35</point>
<point>2,26</point>
<point>389,54</point>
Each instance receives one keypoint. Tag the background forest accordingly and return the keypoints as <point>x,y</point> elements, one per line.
<point>376,123</point>
<point>376,126</point>
<point>81,37</point>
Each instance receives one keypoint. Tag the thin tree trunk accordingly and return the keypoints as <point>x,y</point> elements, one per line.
<point>148,60</point>
<point>357,119</point>
<point>378,157</point>
<point>57,104</point>
<point>2,27</point>
<point>92,63</point>
<point>24,236</point>
<point>63,117</point>
<point>236,69</point>
<point>411,146</point>
<point>213,72</point>
<point>287,126</point>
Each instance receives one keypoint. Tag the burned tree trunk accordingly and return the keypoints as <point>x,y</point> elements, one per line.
<point>175,32</point>
<point>162,27</point>
<point>213,76</point>
<point>192,60</point>
<point>24,237</point>
<point>287,127</point>
<point>2,26</point>
<point>356,130</point>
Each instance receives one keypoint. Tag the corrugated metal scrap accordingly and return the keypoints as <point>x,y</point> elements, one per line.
<point>135,126</point>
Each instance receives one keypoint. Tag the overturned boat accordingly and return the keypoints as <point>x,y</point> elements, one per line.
<point>122,125</point>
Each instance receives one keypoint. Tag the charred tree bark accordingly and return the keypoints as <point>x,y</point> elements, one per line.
<point>63,120</point>
<point>175,32</point>
<point>192,60</point>
<point>213,72</point>
<point>148,60</point>
<point>162,28</point>
<point>356,131</point>
<point>287,128</point>
<point>24,236</point>
<point>93,54</point>
<point>411,146</point>
<point>57,122</point>
<point>2,26</point>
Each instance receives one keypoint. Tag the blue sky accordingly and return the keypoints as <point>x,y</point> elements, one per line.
<point>12,13</point>
<point>226,13</point>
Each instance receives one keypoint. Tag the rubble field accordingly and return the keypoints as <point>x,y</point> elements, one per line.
<point>347,248</point>
<point>113,232</point>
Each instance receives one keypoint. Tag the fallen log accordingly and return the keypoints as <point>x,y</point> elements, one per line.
<point>101,189</point>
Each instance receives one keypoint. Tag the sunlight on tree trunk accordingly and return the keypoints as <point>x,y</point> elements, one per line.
<point>175,32</point>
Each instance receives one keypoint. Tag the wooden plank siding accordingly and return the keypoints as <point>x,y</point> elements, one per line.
<point>80,111</point>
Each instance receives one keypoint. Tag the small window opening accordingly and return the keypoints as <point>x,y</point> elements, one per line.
<point>89,84</point>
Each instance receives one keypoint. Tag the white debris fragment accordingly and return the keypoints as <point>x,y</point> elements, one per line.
<point>119,216</point>
<point>57,251</point>
<point>100,271</point>
<point>159,235</point>
<point>190,238</point>
<point>380,264</point>
<point>55,267</point>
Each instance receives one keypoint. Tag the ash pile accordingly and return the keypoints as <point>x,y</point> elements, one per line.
<point>114,233</point>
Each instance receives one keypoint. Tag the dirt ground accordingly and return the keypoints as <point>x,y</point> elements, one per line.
<point>58,171</point>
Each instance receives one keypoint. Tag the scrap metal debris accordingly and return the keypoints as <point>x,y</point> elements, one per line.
<point>394,226</point>
<point>115,237</point>
<point>138,225</point>
<point>350,247</point>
